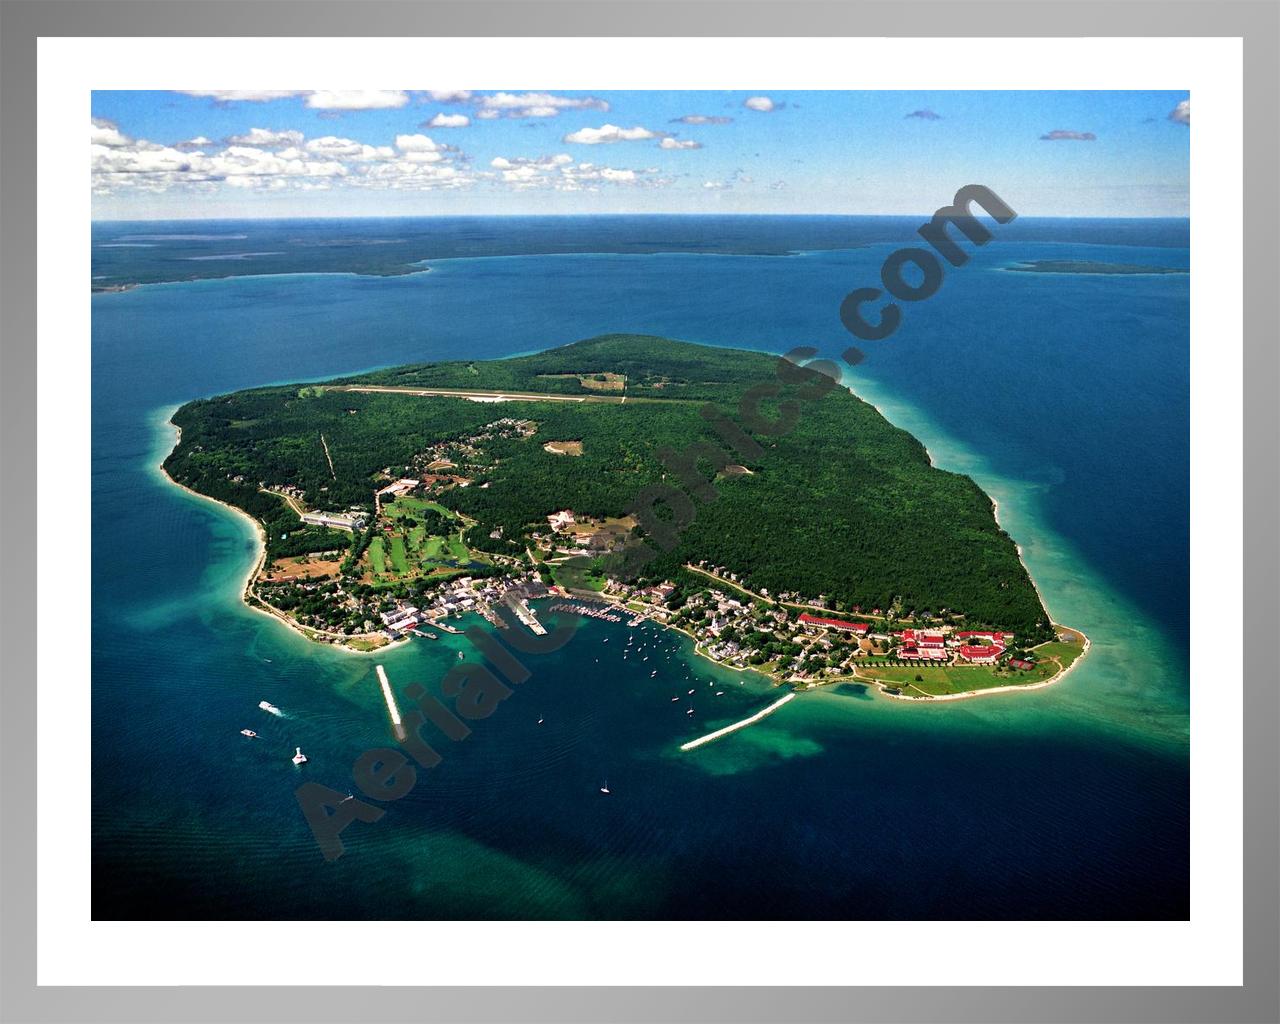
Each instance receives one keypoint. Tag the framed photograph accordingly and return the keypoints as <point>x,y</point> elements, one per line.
<point>746,520</point>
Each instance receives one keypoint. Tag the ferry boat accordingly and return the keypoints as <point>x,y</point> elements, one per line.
<point>248,732</point>
<point>268,707</point>
<point>299,757</point>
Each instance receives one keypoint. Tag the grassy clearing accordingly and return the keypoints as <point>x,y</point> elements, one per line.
<point>399,556</point>
<point>377,556</point>
<point>940,680</point>
<point>367,645</point>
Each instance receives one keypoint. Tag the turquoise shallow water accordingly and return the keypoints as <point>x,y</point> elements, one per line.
<point>1064,397</point>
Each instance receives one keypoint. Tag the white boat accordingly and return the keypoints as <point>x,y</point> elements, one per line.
<point>268,707</point>
<point>539,719</point>
<point>299,757</point>
<point>691,691</point>
<point>248,732</point>
<point>605,788</point>
<point>674,699</point>
<point>689,712</point>
<point>461,655</point>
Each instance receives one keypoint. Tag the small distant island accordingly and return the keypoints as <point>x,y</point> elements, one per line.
<point>833,552</point>
<point>1088,267</point>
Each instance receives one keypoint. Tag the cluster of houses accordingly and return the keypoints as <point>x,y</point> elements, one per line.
<point>460,451</point>
<point>467,595</point>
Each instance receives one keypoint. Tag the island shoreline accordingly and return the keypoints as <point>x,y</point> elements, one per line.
<point>246,589</point>
<point>259,605</point>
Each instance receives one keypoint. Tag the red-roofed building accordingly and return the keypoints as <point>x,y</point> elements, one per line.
<point>984,655</point>
<point>914,653</point>
<point>861,628</point>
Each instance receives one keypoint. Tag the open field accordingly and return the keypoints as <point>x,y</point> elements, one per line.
<point>592,381</point>
<point>563,447</point>
<point>302,568</point>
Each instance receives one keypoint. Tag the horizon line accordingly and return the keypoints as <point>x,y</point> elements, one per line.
<point>588,216</point>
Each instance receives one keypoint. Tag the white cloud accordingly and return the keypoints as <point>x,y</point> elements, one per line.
<point>762,104</point>
<point>701,119</point>
<point>487,114</point>
<point>714,185</point>
<point>357,99</point>
<point>263,159</point>
<point>534,104</point>
<point>267,137</point>
<point>106,133</point>
<point>669,143</point>
<point>316,99</point>
<point>244,95</point>
<point>417,144</point>
<point>448,121</point>
<point>347,149</point>
<point>561,174</point>
<point>609,133</point>
<point>1181,114</point>
<point>450,95</point>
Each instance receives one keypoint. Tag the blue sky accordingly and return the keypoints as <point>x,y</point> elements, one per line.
<point>408,153</point>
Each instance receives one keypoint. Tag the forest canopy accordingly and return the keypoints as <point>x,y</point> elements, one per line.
<point>843,504</point>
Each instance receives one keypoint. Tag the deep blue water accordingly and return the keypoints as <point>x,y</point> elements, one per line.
<point>1073,391</point>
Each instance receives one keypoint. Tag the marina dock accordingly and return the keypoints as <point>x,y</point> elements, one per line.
<point>762,713</point>
<point>525,614</point>
<point>397,726</point>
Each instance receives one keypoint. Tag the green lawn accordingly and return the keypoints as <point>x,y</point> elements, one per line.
<point>407,506</point>
<point>938,680</point>
<point>433,549</point>
<point>377,556</point>
<point>399,557</point>
<point>577,579</point>
<point>1066,653</point>
<point>458,550</point>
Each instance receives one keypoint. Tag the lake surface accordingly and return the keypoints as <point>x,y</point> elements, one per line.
<point>1065,396</point>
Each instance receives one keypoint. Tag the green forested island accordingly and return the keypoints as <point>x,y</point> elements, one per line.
<point>837,508</point>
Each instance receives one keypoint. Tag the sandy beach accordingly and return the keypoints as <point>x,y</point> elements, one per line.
<point>246,589</point>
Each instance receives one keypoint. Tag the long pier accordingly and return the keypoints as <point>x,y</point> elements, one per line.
<point>762,713</point>
<point>396,725</point>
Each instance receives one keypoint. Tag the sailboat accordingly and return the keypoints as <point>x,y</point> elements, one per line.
<point>605,788</point>
<point>299,757</point>
<point>539,719</point>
